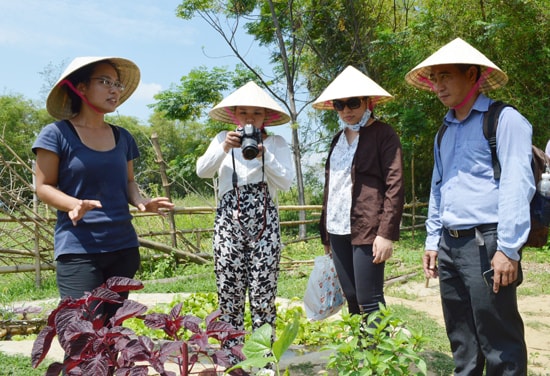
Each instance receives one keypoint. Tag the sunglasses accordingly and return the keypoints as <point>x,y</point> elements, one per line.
<point>352,103</point>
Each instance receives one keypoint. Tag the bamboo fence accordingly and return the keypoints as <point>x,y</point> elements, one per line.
<point>27,226</point>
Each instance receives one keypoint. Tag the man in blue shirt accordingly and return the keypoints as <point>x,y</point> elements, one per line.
<point>477,225</point>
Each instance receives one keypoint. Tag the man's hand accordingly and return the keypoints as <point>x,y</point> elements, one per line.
<point>506,270</point>
<point>429,262</point>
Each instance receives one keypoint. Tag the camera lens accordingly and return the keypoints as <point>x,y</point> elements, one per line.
<point>249,141</point>
<point>250,148</point>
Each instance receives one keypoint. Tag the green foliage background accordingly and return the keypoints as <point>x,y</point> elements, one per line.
<point>384,39</point>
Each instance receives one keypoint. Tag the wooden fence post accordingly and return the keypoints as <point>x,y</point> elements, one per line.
<point>37,273</point>
<point>165,185</point>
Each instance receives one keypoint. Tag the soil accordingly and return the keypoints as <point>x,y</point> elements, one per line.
<point>534,310</point>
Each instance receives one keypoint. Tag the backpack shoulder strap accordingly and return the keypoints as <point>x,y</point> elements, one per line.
<point>439,137</point>
<point>490,124</point>
<point>440,133</point>
<point>540,163</point>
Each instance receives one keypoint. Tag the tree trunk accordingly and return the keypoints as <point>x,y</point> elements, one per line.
<point>299,180</point>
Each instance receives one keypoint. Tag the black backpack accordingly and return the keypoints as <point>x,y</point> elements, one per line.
<point>540,205</point>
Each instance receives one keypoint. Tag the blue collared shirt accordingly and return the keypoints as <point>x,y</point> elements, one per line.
<point>464,193</point>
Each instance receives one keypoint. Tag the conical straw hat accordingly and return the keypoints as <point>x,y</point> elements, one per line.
<point>249,95</point>
<point>458,52</point>
<point>58,103</point>
<point>351,83</point>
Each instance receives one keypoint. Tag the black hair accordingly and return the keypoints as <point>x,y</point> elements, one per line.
<point>464,68</point>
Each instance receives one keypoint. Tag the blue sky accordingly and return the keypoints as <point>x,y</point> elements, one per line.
<point>35,34</point>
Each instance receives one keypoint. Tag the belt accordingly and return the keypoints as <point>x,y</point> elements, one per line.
<point>471,232</point>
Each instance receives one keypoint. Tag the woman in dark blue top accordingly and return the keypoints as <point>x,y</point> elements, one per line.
<point>84,169</point>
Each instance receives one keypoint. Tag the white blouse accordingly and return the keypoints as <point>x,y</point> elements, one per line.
<point>279,168</point>
<point>338,205</point>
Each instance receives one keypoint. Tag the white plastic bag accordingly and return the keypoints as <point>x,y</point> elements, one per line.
<point>323,297</point>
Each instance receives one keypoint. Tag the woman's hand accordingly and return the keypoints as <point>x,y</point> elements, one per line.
<point>158,205</point>
<point>261,151</point>
<point>382,249</point>
<point>81,208</point>
<point>232,140</point>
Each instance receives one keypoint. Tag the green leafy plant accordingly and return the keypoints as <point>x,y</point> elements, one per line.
<point>158,268</point>
<point>261,351</point>
<point>380,346</point>
<point>312,334</point>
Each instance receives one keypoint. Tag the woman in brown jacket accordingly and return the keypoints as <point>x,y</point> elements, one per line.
<point>364,193</point>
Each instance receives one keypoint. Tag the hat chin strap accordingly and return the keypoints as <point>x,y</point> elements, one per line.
<point>472,91</point>
<point>84,99</point>
<point>474,88</point>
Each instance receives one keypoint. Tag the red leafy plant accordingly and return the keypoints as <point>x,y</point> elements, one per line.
<point>96,346</point>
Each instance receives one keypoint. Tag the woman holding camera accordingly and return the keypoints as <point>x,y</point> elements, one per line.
<point>251,166</point>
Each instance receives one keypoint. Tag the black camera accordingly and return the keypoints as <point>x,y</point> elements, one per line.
<point>250,138</point>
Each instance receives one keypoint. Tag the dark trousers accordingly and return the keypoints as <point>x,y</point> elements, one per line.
<point>361,280</point>
<point>485,329</point>
<point>78,273</point>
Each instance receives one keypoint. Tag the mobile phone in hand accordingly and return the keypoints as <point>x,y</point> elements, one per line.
<point>488,277</point>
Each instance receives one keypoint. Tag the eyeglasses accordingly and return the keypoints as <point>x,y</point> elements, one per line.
<point>109,83</point>
<point>352,103</point>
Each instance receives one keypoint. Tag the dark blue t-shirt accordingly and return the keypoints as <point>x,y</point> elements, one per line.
<point>93,175</point>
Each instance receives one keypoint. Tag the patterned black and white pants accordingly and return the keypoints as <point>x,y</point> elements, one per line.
<point>247,250</point>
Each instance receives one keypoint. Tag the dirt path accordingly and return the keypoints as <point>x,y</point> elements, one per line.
<point>535,311</point>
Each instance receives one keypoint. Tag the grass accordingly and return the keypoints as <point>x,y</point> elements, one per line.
<point>19,365</point>
<point>165,275</point>
<point>536,269</point>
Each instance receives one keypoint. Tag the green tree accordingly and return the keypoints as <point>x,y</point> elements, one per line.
<point>182,142</point>
<point>196,93</point>
<point>512,34</point>
<point>145,167</point>
<point>271,23</point>
<point>181,121</point>
<point>20,122</point>
<point>311,41</point>
<point>387,39</point>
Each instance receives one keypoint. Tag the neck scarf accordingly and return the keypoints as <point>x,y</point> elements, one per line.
<point>359,124</point>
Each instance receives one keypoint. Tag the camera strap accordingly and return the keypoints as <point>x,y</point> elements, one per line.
<point>235,179</point>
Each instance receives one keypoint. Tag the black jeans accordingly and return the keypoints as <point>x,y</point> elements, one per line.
<point>78,273</point>
<point>361,280</point>
<point>485,329</point>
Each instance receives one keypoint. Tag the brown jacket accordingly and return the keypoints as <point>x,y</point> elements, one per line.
<point>378,193</point>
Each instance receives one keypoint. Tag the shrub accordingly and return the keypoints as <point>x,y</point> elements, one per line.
<point>95,345</point>
<point>261,351</point>
<point>381,346</point>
